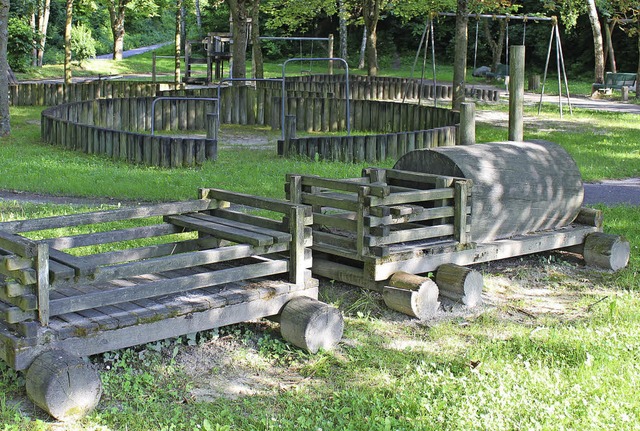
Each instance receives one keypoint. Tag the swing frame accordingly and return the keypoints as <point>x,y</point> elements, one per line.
<point>555,36</point>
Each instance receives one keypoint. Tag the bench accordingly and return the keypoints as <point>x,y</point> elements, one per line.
<point>616,81</point>
<point>501,72</point>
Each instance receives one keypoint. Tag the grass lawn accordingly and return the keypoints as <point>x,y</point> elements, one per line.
<point>555,348</point>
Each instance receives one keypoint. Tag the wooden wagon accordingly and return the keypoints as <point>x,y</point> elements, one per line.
<point>440,209</point>
<point>159,271</point>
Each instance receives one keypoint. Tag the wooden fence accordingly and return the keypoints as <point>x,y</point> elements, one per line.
<point>99,127</point>
<point>370,148</point>
<point>52,94</point>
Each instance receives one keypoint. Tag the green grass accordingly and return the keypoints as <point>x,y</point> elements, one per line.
<point>577,369</point>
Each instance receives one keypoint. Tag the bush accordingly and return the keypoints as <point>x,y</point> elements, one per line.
<point>83,46</point>
<point>20,44</point>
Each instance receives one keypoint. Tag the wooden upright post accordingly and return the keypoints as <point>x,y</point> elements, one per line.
<point>516,93</point>
<point>330,54</point>
<point>467,133</point>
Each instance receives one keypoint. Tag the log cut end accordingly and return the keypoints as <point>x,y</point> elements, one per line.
<point>460,284</point>
<point>310,324</point>
<point>606,251</point>
<point>412,295</point>
<point>63,385</point>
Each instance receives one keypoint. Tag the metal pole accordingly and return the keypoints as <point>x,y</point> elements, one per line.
<point>546,67</point>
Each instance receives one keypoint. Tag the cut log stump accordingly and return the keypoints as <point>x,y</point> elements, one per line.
<point>460,284</point>
<point>63,385</point>
<point>412,295</point>
<point>606,251</point>
<point>310,324</point>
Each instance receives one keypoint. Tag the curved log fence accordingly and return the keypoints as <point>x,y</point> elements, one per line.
<point>118,126</point>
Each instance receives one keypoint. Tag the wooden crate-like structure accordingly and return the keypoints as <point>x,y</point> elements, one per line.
<point>366,229</point>
<point>201,264</point>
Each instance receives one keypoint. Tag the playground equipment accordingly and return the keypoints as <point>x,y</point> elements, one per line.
<point>205,265</point>
<point>212,51</point>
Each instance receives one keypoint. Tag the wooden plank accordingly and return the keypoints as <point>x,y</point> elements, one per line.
<point>421,260</point>
<point>277,235</point>
<point>59,272</point>
<point>460,224</point>
<point>411,197</point>
<point>15,243</point>
<point>341,201</point>
<point>13,262</point>
<point>12,314</point>
<point>223,231</point>
<point>325,238</point>
<point>179,325</point>
<point>380,190</point>
<point>90,263</point>
<point>143,211</point>
<point>111,236</point>
<point>183,260</point>
<point>344,221</point>
<point>26,302</point>
<point>249,200</point>
<point>13,289</point>
<point>250,219</point>
<point>166,287</point>
<point>419,177</point>
<point>410,235</point>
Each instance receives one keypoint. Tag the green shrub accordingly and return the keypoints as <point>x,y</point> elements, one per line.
<point>83,46</point>
<point>20,44</point>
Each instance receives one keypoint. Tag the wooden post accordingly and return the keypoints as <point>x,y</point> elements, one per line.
<point>625,93</point>
<point>153,67</point>
<point>310,324</point>
<point>412,295</point>
<point>63,385</point>
<point>467,123</point>
<point>213,121</point>
<point>460,284</point>
<point>460,224</point>
<point>516,93</point>
<point>330,54</point>
<point>534,82</point>
<point>297,246</point>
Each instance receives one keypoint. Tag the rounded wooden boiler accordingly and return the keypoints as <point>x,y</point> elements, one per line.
<point>518,187</point>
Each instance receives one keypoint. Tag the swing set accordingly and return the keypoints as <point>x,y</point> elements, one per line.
<point>427,36</point>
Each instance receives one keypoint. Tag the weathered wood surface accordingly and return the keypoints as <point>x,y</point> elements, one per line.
<point>517,187</point>
<point>412,295</point>
<point>311,325</point>
<point>460,284</point>
<point>63,385</point>
<point>606,251</point>
<point>217,265</point>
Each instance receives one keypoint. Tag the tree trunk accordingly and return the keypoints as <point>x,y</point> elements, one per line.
<point>496,45</point>
<point>43,25</point>
<point>34,51</point>
<point>343,30</point>
<point>67,42</point>
<point>178,43</point>
<point>371,15</point>
<point>5,123</point>
<point>460,55</point>
<point>256,46</point>
<point>363,48</point>
<point>183,27</point>
<point>198,16</point>
<point>238,10</point>
<point>609,53</point>
<point>598,46</point>
<point>116,16</point>
<point>638,71</point>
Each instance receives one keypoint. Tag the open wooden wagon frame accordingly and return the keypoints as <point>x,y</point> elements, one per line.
<point>170,269</point>
<point>441,209</point>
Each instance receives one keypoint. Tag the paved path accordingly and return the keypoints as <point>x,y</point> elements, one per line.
<point>132,52</point>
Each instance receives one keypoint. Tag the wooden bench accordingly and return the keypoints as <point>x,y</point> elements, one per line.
<point>616,81</point>
<point>155,272</point>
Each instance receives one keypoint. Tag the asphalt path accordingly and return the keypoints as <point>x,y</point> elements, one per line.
<point>132,52</point>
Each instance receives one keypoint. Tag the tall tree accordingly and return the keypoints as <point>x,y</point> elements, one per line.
<point>256,45</point>
<point>5,118</point>
<point>178,43</point>
<point>117,10</point>
<point>239,32</point>
<point>43,11</point>
<point>598,45</point>
<point>67,41</point>
<point>371,13</point>
<point>460,55</point>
